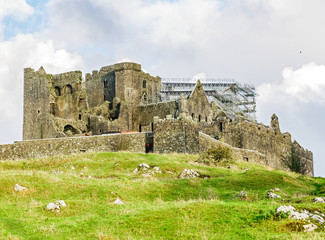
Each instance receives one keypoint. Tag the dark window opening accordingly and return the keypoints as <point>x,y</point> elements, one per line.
<point>69,89</point>
<point>220,127</point>
<point>199,118</point>
<point>192,115</point>
<point>144,84</point>
<point>57,91</point>
<point>206,119</point>
<point>140,128</point>
<point>79,116</point>
<point>38,111</point>
<point>245,159</point>
<point>151,126</point>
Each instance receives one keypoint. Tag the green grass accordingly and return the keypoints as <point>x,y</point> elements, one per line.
<point>159,207</point>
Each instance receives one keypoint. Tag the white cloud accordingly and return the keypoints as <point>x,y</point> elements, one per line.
<point>17,8</point>
<point>303,85</point>
<point>25,51</point>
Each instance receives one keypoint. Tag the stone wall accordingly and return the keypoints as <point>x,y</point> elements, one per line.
<point>148,112</point>
<point>133,142</point>
<point>248,155</point>
<point>176,135</point>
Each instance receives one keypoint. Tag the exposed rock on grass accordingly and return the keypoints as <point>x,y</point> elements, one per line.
<point>271,194</point>
<point>118,202</point>
<point>319,200</point>
<point>189,173</point>
<point>19,188</point>
<point>310,227</point>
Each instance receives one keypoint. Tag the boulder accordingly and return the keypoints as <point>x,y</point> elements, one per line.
<point>19,188</point>
<point>118,202</point>
<point>272,195</point>
<point>310,227</point>
<point>144,166</point>
<point>189,173</point>
<point>52,206</point>
<point>319,200</point>
<point>61,203</point>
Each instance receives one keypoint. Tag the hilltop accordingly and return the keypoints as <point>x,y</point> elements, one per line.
<point>157,203</point>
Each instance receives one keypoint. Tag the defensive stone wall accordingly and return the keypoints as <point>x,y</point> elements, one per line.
<point>248,155</point>
<point>148,112</point>
<point>176,135</point>
<point>132,142</point>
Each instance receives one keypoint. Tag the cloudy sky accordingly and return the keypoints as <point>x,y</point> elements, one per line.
<point>279,46</point>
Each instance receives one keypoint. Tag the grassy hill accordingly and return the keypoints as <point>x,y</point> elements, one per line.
<point>157,207</point>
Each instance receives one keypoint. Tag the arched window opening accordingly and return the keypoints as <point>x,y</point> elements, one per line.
<point>79,116</point>
<point>68,89</point>
<point>206,119</point>
<point>140,128</point>
<point>192,115</point>
<point>151,126</point>
<point>199,118</point>
<point>144,84</point>
<point>57,91</point>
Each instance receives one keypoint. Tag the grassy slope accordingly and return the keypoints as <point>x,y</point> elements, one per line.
<point>161,207</point>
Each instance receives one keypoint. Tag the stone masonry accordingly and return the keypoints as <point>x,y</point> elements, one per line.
<point>71,115</point>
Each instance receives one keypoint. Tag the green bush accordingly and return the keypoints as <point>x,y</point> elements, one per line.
<point>217,155</point>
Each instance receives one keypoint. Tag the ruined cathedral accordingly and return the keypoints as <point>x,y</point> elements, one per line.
<point>173,115</point>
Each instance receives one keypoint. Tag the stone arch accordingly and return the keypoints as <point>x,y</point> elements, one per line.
<point>68,89</point>
<point>70,130</point>
<point>57,91</point>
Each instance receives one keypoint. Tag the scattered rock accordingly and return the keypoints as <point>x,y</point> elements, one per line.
<point>285,209</point>
<point>310,227</point>
<point>318,218</point>
<point>118,202</point>
<point>144,166</point>
<point>245,170</point>
<point>271,194</point>
<point>242,194</point>
<point>56,206</point>
<point>89,176</point>
<point>277,189</point>
<point>302,215</point>
<point>169,172</point>
<point>135,171</point>
<point>72,167</point>
<point>319,200</point>
<point>57,172</point>
<point>61,203</point>
<point>189,173</point>
<point>53,206</point>
<point>157,169</point>
<point>19,188</point>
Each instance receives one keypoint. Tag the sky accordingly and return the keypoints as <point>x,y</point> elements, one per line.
<point>279,46</point>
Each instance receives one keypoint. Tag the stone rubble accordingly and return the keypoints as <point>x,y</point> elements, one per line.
<point>302,215</point>
<point>189,173</point>
<point>242,194</point>
<point>19,188</point>
<point>57,172</point>
<point>145,168</point>
<point>319,200</point>
<point>271,194</point>
<point>118,202</point>
<point>56,206</point>
<point>310,227</point>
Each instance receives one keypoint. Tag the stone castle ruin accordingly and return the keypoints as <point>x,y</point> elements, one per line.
<point>120,107</point>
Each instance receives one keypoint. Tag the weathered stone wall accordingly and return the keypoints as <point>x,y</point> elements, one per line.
<point>148,112</point>
<point>176,135</point>
<point>248,155</point>
<point>37,105</point>
<point>306,157</point>
<point>133,142</point>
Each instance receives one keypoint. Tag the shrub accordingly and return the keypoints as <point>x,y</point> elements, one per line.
<point>217,155</point>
